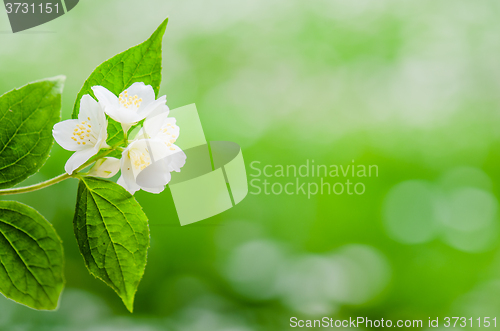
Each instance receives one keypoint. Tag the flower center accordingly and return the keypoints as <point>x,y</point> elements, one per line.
<point>171,138</point>
<point>83,134</point>
<point>127,101</point>
<point>140,160</point>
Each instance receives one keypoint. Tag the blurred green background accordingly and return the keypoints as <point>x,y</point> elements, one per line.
<point>410,86</point>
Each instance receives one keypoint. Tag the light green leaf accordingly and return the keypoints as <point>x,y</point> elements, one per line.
<point>115,133</point>
<point>27,116</point>
<point>116,136</point>
<point>141,63</point>
<point>113,235</point>
<point>31,257</point>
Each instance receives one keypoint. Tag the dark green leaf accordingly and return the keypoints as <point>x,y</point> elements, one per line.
<point>31,257</point>
<point>27,116</point>
<point>113,235</point>
<point>141,63</point>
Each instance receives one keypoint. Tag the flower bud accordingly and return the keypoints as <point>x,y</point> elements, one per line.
<point>106,167</point>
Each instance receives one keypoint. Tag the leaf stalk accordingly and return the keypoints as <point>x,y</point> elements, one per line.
<point>57,179</point>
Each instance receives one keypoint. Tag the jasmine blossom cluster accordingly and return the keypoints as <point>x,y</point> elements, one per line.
<point>147,159</point>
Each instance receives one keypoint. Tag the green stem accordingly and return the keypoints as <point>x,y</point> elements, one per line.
<point>35,187</point>
<point>55,180</point>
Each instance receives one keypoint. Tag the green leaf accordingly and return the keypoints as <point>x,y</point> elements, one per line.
<point>115,133</point>
<point>113,235</point>
<point>141,63</point>
<point>27,116</point>
<point>116,136</point>
<point>116,154</point>
<point>31,257</point>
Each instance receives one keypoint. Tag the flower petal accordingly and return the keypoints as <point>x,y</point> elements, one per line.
<point>159,109</point>
<point>159,172</point>
<point>78,158</point>
<point>63,134</point>
<point>129,116</point>
<point>105,96</point>
<point>155,190</point>
<point>143,91</point>
<point>108,100</point>
<point>127,180</point>
<point>91,111</point>
<point>155,121</point>
<point>123,183</point>
<point>144,152</point>
<point>144,111</point>
<point>176,160</point>
<point>169,131</point>
<point>103,135</point>
<point>155,175</point>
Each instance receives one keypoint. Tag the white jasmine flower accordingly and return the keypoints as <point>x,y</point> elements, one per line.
<point>86,135</point>
<point>148,161</point>
<point>131,106</point>
<point>160,127</point>
<point>106,167</point>
<point>138,156</point>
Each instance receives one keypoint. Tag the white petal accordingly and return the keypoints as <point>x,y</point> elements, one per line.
<point>155,121</point>
<point>78,158</point>
<point>169,131</point>
<point>90,111</point>
<point>103,135</point>
<point>113,113</point>
<point>159,108</point>
<point>157,149</point>
<point>63,132</point>
<point>127,180</point>
<point>108,100</point>
<point>144,111</point>
<point>176,160</point>
<point>121,181</point>
<point>124,116</point>
<point>143,91</point>
<point>158,173</point>
<point>155,190</point>
<point>144,152</point>
<point>155,175</point>
<point>130,116</point>
<point>105,96</point>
